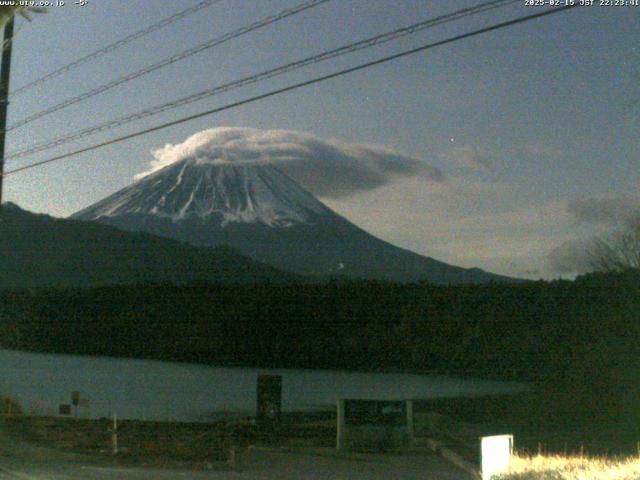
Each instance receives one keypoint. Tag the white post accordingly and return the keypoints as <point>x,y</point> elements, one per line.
<point>409,408</point>
<point>114,435</point>
<point>495,454</point>
<point>232,457</point>
<point>340,422</point>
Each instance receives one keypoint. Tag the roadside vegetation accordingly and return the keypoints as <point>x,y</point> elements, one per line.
<point>542,467</point>
<point>9,406</point>
<point>139,442</point>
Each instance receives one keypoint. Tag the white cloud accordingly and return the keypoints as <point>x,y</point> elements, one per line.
<point>570,257</point>
<point>542,149</point>
<point>327,168</point>
<point>606,209</point>
<point>471,157</point>
<point>464,222</point>
<point>599,213</point>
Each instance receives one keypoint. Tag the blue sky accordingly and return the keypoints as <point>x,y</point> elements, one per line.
<point>527,123</point>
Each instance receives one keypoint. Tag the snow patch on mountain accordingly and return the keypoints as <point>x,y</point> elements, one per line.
<point>213,191</point>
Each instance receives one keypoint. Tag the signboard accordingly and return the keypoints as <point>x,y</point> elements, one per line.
<point>269,398</point>
<point>374,425</point>
<point>495,454</point>
<point>75,398</point>
<point>375,412</point>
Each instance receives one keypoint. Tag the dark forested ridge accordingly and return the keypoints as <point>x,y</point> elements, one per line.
<point>501,331</point>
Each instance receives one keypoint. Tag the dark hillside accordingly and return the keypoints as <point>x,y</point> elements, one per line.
<point>41,251</point>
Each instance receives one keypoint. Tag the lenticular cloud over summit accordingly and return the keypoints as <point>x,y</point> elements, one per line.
<point>327,168</point>
<point>244,188</point>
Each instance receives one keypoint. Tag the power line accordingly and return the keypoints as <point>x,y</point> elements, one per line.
<point>115,45</point>
<point>296,86</point>
<point>350,48</point>
<point>168,61</point>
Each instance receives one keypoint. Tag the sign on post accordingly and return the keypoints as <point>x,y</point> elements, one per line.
<point>495,454</point>
<point>269,399</point>
<point>375,412</point>
<point>379,425</point>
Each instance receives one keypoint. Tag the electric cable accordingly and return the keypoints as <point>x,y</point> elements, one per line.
<point>115,45</point>
<point>169,61</point>
<point>297,86</point>
<point>350,48</point>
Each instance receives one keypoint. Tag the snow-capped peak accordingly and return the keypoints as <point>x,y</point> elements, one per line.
<point>222,191</point>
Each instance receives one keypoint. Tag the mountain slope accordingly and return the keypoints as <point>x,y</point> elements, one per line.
<point>214,194</point>
<point>42,251</point>
<point>264,214</point>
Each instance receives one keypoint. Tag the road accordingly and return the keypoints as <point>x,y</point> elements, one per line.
<point>21,462</point>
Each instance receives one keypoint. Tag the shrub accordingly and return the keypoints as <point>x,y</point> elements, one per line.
<point>9,406</point>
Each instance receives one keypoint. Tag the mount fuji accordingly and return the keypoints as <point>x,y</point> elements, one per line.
<point>263,213</point>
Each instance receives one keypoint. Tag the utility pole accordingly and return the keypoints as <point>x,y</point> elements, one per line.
<point>5,68</point>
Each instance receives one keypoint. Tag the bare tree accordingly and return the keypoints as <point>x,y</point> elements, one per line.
<point>616,252</point>
<point>8,12</point>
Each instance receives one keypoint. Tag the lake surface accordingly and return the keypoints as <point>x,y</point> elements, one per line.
<point>155,390</point>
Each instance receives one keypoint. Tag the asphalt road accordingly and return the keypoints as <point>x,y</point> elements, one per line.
<point>23,461</point>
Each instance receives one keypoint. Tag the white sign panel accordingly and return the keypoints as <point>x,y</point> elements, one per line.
<point>495,454</point>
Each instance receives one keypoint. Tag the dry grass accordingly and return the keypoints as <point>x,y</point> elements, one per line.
<point>138,441</point>
<point>542,467</point>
